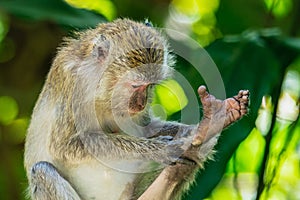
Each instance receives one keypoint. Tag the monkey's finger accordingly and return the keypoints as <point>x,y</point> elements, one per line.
<point>202,91</point>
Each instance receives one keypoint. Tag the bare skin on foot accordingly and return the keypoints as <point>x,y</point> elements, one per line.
<point>218,114</point>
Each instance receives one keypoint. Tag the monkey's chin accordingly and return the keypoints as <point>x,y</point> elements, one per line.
<point>135,112</point>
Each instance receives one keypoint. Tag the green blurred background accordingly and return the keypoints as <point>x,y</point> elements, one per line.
<point>254,43</point>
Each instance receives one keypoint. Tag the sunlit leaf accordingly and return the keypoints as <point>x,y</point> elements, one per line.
<point>292,81</point>
<point>198,16</point>
<point>4,26</point>
<point>8,109</point>
<point>279,8</point>
<point>190,7</point>
<point>207,6</point>
<point>187,7</point>
<point>104,7</point>
<point>236,187</point>
<point>263,121</point>
<point>171,96</point>
<point>288,108</point>
<point>224,191</point>
<point>251,149</point>
<point>52,10</point>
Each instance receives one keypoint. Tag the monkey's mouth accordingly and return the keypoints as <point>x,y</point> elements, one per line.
<point>138,100</point>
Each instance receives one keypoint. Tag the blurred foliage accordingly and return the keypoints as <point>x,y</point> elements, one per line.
<point>254,43</point>
<point>250,61</point>
<point>104,7</point>
<point>194,18</point>
<point>279,8</point>
<point>55,11</point>
<point>170,96</point>
<point>8,110</point>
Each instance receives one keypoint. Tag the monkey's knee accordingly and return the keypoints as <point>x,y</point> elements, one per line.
<point>42,168</point>
<point>47,183</point>
<point>42,180</point>
<point>43,172</point>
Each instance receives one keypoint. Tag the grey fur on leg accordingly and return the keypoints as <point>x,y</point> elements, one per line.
<point>47,184</point>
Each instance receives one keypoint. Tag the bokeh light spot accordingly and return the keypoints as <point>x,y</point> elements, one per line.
<point>8,109</point>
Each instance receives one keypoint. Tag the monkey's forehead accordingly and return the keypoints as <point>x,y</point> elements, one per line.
<point>131,35</point>
<point>125,25</point>
<point>123,44</point>
<point>132,43</point>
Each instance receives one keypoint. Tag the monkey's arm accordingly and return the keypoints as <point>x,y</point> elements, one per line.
<point>47,183</point>
<point>122,146</point>
<point>173,179</point>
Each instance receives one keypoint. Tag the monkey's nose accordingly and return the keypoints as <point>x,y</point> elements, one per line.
<point>138,100</point>
<point>141,102</point>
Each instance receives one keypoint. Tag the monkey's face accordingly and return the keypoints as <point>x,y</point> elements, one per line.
<point>123,100</point>
<point>135,57</point>
<point>131,96</point>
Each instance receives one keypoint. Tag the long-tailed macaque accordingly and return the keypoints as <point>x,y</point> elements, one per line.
<point>92,134</point>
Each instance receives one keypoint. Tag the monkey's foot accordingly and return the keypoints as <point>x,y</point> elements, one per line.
<point>236,107</point>
<point>219,114</point>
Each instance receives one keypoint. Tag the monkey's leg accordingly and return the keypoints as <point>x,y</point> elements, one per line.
<point>218,114</point>
<point>47,183</point>
<point>176,178</point>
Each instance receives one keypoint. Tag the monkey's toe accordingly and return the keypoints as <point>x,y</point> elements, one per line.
<point>237,106</point>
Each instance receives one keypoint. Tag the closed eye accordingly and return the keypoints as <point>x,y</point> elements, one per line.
<point>151,85</point>
<point>136,86</point>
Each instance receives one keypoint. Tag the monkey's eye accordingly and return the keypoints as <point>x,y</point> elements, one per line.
<point>136,86</point>
<point>151,85</point>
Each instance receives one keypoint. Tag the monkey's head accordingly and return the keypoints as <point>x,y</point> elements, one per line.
<point>133,58</point>
<point>112,68</point>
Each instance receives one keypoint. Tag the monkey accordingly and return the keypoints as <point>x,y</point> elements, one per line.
<point>92,133</point>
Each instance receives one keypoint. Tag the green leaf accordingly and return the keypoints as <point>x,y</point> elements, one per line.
<point>52,10</point>
<point>170,96</point>
<point>279,8</point>
<point>253,146</point>
<point>104,7</point>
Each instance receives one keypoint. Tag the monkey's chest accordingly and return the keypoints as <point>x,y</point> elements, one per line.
<point>98,180</point>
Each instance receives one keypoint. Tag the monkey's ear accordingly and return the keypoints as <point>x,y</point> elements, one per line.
<point>101,49</point>
<point>148,23</point>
